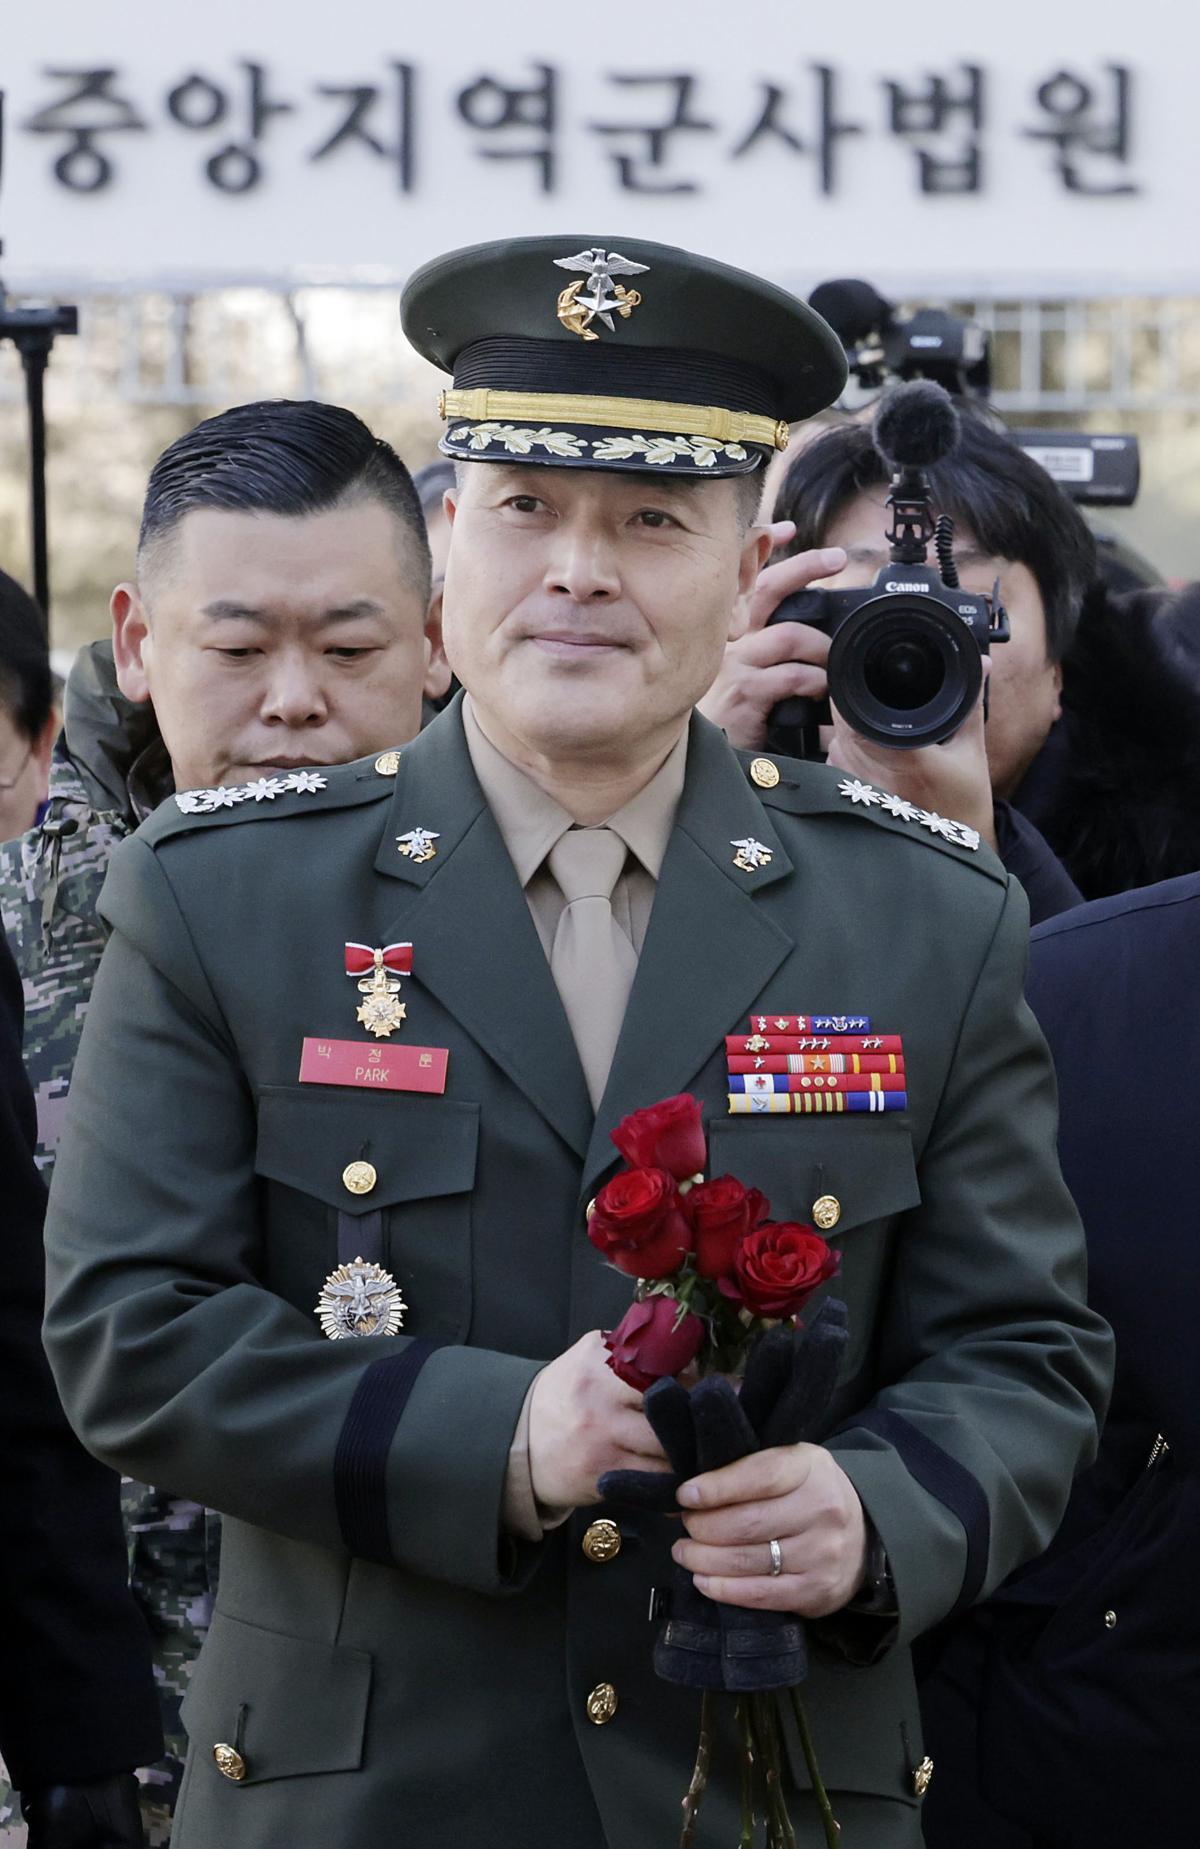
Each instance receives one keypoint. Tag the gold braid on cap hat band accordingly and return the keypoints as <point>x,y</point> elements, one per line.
<point>691,420</point>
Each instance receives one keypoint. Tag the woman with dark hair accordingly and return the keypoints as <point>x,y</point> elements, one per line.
<point>28,720</point>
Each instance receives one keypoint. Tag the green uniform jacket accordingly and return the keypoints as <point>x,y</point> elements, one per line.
<point>391,1667</point>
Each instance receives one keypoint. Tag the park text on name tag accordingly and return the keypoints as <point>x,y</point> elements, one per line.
<point>380,1068</point>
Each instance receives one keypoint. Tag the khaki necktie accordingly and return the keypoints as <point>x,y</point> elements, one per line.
<point>592,961</point>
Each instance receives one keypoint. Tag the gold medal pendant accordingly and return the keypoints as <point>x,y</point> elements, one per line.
<point>360,1299</point>
<point>378,970</point>
<point>381,1013</point>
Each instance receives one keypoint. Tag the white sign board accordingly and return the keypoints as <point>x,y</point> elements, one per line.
<point>1017,149</point>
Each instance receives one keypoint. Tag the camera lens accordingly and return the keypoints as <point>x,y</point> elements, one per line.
<point>904,672</point>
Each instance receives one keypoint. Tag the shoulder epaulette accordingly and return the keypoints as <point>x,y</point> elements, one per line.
<point>821,789</point>
<point>285,794</point>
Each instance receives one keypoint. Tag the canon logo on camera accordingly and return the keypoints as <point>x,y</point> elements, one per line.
<point>895,585</point>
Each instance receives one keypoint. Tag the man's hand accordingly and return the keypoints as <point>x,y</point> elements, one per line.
<point>763,666</point>
<point>582,1422</point>
<point>952,779</point>
<point>796,1495</point>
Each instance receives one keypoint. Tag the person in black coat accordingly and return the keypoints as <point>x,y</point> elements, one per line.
<point>1115,789</point>
<point>1064,1713</point>
<point>77,1704</point>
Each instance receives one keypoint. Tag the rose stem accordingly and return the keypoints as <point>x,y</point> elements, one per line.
<point>786,1835</point>
<point>780,1824</point>
<point>832,1827</point>
<point>741,1710</point>
<point>699,1784</point>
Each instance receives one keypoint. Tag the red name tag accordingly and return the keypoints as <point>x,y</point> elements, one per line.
<point>379,1068</point>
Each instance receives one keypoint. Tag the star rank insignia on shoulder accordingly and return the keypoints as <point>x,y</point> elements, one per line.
<point>307,790</point>
<point>855,791</point>
<point>261,789</point>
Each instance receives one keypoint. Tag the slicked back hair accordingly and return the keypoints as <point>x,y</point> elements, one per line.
<point>988,485</point>
<point>281,457</point>
<point>26,684</point>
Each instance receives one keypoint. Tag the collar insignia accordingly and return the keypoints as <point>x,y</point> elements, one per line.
<point>751,855</point>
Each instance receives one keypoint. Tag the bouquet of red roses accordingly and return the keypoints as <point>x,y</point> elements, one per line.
<point>720,1287</point>
<point>714,1271</point>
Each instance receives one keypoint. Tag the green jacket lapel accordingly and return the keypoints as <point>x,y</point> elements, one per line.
<point>710,949</point>
<point>474,943</point>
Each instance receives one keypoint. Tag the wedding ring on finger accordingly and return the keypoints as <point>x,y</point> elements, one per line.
<point>776,1559</point>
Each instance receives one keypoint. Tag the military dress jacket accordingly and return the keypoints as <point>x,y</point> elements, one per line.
<point>385,1665</point>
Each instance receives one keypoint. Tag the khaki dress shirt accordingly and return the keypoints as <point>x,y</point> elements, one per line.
<point>530,823</point>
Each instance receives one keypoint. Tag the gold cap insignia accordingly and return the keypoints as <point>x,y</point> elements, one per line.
<point>597,297</point>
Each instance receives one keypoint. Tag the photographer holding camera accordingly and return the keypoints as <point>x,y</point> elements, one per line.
<point>907,708</point>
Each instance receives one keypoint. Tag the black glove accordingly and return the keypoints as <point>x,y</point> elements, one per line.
<point>789,1382</point>
<point>101,1815</point>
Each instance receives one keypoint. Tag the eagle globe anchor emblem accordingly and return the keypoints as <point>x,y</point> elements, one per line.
<point>597,297</point>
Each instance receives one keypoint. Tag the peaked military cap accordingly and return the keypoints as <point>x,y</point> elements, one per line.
<point>606,353</point>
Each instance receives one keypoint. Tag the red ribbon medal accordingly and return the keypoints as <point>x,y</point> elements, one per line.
<point>380,1012</point>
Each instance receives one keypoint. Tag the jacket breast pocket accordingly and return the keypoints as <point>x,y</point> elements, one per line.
<point>849,1178</point>
<point>389,1175</point>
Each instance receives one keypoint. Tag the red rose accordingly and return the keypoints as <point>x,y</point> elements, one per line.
<point>722,1212</point>
<point>779,1266</point>
<point>669,1135</point>
<point>637,1224</point>
<point>653,1339</point>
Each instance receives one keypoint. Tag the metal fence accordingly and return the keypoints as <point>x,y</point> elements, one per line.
<point>1115,355</point>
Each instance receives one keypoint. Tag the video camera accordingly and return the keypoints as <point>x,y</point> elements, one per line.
<point>906,657</point>
<point>1096,471</point>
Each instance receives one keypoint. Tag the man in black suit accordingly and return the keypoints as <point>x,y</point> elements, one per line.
<point>1064,1713</point>
<point>77,1703</point>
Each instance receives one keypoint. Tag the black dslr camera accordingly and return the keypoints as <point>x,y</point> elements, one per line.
<point>906,655</point>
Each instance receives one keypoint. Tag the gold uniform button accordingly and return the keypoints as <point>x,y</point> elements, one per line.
<point>764,773</point>
<point>1110,1620</point>
<point>923,1777</point>
<point>359,1177</point>
<point>602,1541</point>
<point>388,763</point>
<point>602,1704</point>
<point>230,1763</point>
<point>826,1212</point>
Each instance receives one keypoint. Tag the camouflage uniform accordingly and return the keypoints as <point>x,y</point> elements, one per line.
<point>109,771</point>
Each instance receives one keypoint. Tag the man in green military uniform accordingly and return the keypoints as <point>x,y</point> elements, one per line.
<point>385,1022</point>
